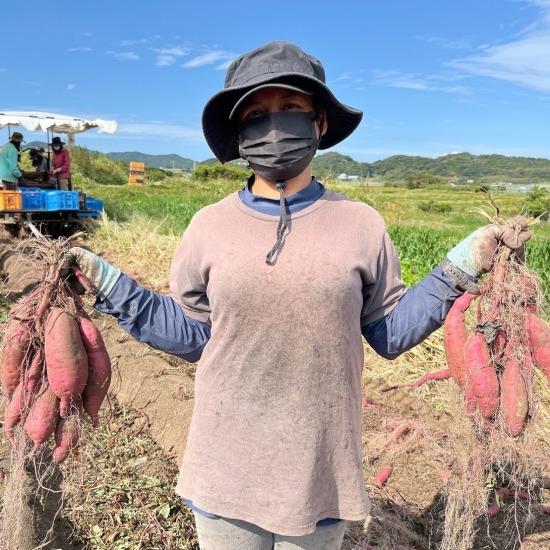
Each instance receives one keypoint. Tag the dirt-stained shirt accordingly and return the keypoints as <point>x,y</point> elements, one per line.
<point>275,437</point>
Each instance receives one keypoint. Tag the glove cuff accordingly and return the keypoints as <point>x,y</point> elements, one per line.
<point>463,281</point>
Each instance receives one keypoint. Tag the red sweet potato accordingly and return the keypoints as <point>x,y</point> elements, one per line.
<point>15,347</point>
<point>381,478</point>
<point>455,337</point>
<point>66,360</point>
<point>482,378</point>
<point>42,418</point>
<point>67,435</point>
<point>539,336</point>
<point>34,372</point>
<point>12,414</point>
<point>99,369</point>
<point>514,400</point>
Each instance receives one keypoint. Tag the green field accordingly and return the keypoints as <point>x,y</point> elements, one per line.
<point>421,237</point>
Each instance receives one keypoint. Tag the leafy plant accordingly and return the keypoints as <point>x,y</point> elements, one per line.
<point>538,202</point>
<point>434,207</point>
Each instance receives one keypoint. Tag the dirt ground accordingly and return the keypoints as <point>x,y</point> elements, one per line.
<point>156,393</point>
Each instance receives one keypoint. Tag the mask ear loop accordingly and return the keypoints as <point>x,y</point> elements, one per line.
<point>282,225</point>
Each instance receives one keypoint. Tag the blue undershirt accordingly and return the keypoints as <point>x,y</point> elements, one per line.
<point>158,321</point>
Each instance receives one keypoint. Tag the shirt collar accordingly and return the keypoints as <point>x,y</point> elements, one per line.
<point>294,203</point>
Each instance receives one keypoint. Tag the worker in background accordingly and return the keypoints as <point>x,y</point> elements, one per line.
<point>9,159</point>
<point>39,161</point>
<point>61,164</point>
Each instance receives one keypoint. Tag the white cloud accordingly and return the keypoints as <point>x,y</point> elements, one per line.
<point>523,60</point>
<point>458,44</point>
<point>124,56</point>
<point>209,58</point>
<point>414,81</point>
<point>71,87</point>
<point>80,49</point>
<point>224,65</point>
<point>168,56</point>
<point>134,42</point>
<point>167,131</point>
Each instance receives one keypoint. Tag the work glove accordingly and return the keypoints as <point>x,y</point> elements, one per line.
<point>100,273</point>
<point>476,253</point>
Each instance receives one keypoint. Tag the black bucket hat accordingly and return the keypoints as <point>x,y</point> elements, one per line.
<point>274,64</point>
<point>57,141</point>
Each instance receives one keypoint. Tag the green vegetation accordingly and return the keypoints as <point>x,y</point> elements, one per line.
<point>435,207</point>
<point>94,166</point>
<point>538,202</point>
<point>461,167</point>
<point>154,161</point>
<point>209,172</point>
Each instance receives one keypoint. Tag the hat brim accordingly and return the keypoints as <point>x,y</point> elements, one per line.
<point>221,132</point>
<point>57,143</point>
<point>262,86</point>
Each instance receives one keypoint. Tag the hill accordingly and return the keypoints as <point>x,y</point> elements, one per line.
<point>154,161</point>
<point>459,165</point>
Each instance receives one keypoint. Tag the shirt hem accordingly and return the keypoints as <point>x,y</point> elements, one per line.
<point>265,523</point>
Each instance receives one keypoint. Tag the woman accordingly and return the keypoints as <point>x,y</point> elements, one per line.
<point>273,288</point>
<point>61,164</point>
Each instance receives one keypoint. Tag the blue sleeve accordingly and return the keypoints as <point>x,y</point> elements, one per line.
<point>155,320</point>
<point>418,313</point>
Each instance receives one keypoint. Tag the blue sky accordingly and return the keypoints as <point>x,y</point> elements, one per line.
<point>432,76</point>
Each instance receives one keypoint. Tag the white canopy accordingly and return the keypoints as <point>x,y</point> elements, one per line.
<point>59,124</point>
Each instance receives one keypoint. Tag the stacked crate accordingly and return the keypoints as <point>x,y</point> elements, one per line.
<point>10,200</point>
<point>137,173</point>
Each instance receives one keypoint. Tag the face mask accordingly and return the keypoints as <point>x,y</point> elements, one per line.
<point>16,144</point>
<point>278,146</point>
<point>56,148</point>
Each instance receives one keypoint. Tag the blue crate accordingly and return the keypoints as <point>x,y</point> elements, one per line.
<point>94,204</point>
<point>32,200</point>
<point>61,200</point>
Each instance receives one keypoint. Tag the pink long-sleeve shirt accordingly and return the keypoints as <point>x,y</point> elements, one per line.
<point>62,160</point>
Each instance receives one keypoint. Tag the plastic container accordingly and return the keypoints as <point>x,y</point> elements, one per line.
<point>32,200</point>
<point>94,204</point>
<point>61,200</point>
<point>10,200</point>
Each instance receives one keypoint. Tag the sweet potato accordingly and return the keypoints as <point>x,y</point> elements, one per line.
<point>514,401</point>
<point>539,336</point>
<point>99,369</point>
<point>482,378</point>
<point>66,360</point>
<point>12,414</point>
<point>67,435</point>
<point>383,475</point>
<point>455,337</point>
<point>42,418</point>
<point>34,372</point>
<point>15,348</point>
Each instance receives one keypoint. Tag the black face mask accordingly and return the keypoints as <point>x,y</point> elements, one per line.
<point>16,144</point>
<point>278,146</point>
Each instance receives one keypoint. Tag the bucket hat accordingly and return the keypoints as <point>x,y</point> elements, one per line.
<point>281,64</point>
<point>17,136</point>
<point>57,141</point>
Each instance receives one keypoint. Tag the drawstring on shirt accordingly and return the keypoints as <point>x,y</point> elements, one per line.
<point>282,225</point>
